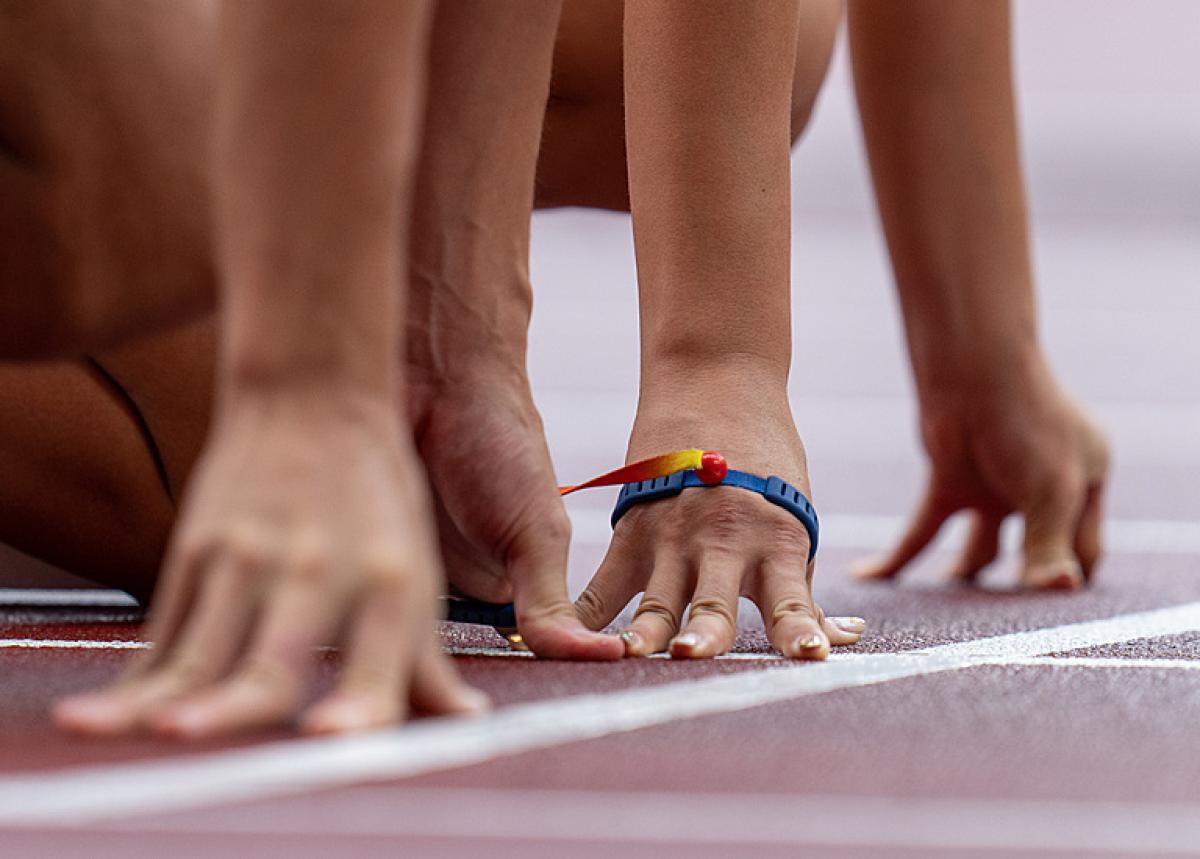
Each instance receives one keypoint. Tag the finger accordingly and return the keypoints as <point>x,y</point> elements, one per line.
<point>268,684</point>
<point>204,650</point>
<point>616,582</point>
<point>660,610</point>
<point>923,527</point>
<point>372,690</point>
<point>793,621</point>
<point>537,564</point>
<point>439,690</point>
<point>712,616</point>
<point>843,631</point>
<point>982,546</point>
<point>179,581</point>
<point>1051,521</point>
<point>1089,536</point>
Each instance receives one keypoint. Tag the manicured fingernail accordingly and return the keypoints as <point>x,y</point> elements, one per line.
<point>689,640</point>
<point>849,624</point>
<point>810,645</point>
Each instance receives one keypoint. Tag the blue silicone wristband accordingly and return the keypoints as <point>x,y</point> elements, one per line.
<point>774,489</point>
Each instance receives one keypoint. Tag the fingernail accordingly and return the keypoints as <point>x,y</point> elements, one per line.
<point>849,624</point>
<point>810,645</point>
<point>689,640</point>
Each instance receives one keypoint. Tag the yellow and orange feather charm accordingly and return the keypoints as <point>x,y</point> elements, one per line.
<point>709,465</point>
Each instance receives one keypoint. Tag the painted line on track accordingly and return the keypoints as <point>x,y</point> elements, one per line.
<point>69,644</point>
<point>713,818</point>
<point>60,597</point>
<point>86,794</point>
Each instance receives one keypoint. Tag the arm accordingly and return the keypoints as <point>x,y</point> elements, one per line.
<point>307,518</point>
<point>935,93</point>
<point>504,531</point>
<point>708,108</point>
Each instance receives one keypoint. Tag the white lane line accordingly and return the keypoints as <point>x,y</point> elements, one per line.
<point>69,644</point>
<point>865,532</point>
<point>1103,662</point>
<point>85,794</point>
<point>711,819</point>
<point>54,597</point>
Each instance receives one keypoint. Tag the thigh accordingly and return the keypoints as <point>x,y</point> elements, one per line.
<point>582,160</point>
<point>94,455</point>
<point>79,486</point>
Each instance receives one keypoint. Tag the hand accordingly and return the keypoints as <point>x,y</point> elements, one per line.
<point>307,521</point>
<point>503,528</point>
<point>707,547</point>
<point>1020,447</point>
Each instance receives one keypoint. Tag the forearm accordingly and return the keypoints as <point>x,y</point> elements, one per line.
<point>935,94</point>
<point>316,131</point>
<point>708,106</point>
<point>489,79</point>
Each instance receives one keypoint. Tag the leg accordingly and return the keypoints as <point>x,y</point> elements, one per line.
<point>103,197</point>
<point>79,486</point>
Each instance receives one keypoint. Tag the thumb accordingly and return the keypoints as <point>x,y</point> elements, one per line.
<point>546,619</point>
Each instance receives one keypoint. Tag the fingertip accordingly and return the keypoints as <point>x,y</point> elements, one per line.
<point>689,645</point>
<point>573,641</point>
<point>345,715</point>
<point>808,645</point>
<point>1062,575</point>
<point>181,722</point>
<point>635,645</point>
<point>97,715</point>
<point>854,625</point>
<point>872,570</point>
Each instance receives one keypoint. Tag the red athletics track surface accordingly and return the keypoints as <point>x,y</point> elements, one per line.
<point>1070,731</point>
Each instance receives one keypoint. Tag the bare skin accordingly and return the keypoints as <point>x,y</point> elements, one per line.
<point>936,98</point>
<point>167,378</point>
<point>712,224</point>
<point>307,521</point>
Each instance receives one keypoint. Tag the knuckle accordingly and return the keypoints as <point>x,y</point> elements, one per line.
<point>590,606</point>
<point>726,518</point>
<point>792,607</point>
<point>652,607</point>
<point>715,608</point>
<point>557,527</point>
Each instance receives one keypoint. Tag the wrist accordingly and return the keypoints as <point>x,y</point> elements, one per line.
<point>467,328</point>
<point>975,361</point>
<point>699,382</point>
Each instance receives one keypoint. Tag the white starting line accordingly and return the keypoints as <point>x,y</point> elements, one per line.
<point>90,794</point>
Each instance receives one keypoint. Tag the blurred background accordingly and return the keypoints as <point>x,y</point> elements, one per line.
<point>1109,95</point>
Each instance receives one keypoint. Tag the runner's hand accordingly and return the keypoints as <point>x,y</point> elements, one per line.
<point>1025,448</point>
<point>504,531</point>
<point>306,525</point>
<point>707,547</point>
